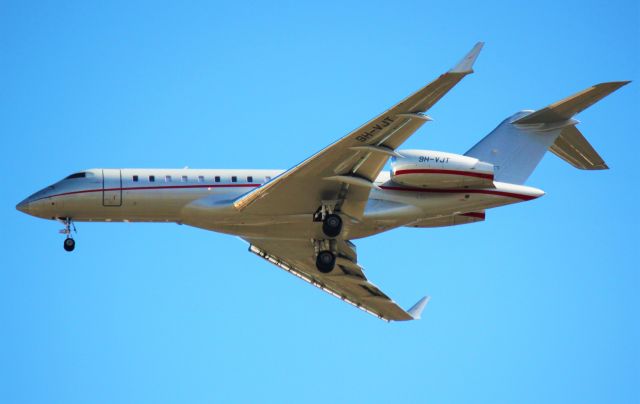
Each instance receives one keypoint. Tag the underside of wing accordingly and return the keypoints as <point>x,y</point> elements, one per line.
<point>345,171</point>
<point>346,281</point>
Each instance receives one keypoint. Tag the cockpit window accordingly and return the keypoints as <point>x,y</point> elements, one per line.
<point>76,175</point>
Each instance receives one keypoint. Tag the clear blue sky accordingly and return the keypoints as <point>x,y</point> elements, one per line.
<point>537,304</point>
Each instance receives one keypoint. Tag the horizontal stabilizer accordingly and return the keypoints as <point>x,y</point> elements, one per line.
<point>570,106</point>
<point>572,147</point>
<point>416,310</point>
<point>517,145</point>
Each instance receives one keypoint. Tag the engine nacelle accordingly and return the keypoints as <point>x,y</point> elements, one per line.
<point>433,169</point>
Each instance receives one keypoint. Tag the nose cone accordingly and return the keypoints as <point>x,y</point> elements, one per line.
<point>24,207</point>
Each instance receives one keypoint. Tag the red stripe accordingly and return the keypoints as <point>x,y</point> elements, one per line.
<point>152,188</point>
<point>438,171</point>
<point>464,191</point>
<point>389,188</point>
<point>477,215</point>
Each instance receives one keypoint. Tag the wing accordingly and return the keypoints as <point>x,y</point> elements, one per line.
<point>346,282</point>
<point>344,172</point>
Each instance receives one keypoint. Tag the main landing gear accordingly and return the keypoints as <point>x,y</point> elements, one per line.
<point>332,225</point>
<point>325,255</point>
<point>69,243</point>
<point>331,228</point>
<point>325,261</point>
<point>331,221</point>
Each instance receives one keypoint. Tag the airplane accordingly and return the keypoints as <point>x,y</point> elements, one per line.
<point>303,220</point>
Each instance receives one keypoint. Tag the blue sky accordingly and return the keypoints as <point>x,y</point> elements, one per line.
<point>537,304</point>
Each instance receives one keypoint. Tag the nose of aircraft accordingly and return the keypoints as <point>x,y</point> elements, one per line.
<point>23,206</point>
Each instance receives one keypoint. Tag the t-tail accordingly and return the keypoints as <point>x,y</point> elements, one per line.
<point>518,144</point>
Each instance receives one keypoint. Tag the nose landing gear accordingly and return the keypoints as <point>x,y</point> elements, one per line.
<point>69,243</point>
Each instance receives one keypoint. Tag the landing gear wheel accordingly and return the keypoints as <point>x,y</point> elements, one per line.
<point>69,244</point>
<point>332,225</point>
<point>325,261</point>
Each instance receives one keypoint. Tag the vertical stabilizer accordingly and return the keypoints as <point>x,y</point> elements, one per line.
<point>518,144</point>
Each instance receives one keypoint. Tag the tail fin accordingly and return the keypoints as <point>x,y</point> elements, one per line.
<point>518,144</point>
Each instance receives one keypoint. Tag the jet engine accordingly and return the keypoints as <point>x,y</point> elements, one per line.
<point>433,169</point>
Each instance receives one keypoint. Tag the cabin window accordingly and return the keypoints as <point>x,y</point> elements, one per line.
<point>249,178</point>
<point>152,178</point>
<point>135,178</point>
<point>234,179</point>
<point>267,179</point>
<point>76,175</point>
<point>200,178</point>
<point>217,178</point>
<point>167,178</point>
<point>184,178</point>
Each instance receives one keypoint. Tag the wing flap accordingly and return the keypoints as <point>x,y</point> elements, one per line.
<point>345,282</point>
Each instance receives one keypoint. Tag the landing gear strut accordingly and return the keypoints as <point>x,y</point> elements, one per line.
<point>69,242</point>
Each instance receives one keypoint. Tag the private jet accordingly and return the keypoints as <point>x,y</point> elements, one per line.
<point>304,220</point>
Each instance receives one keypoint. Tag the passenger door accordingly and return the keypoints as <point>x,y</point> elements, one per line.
<point>111,187</point>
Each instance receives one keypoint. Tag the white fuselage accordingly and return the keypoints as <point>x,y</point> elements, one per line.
<point>186,196</point>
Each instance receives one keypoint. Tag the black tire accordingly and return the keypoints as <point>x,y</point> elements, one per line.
<point>332,225</point>
<point>69,244</point>
<point>325,261</point>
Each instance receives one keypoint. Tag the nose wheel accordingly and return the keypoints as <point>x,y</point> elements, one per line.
<point>69,243</point>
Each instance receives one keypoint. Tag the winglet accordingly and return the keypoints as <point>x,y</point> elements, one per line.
<point>416,310</point>
<point>466,64</point>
